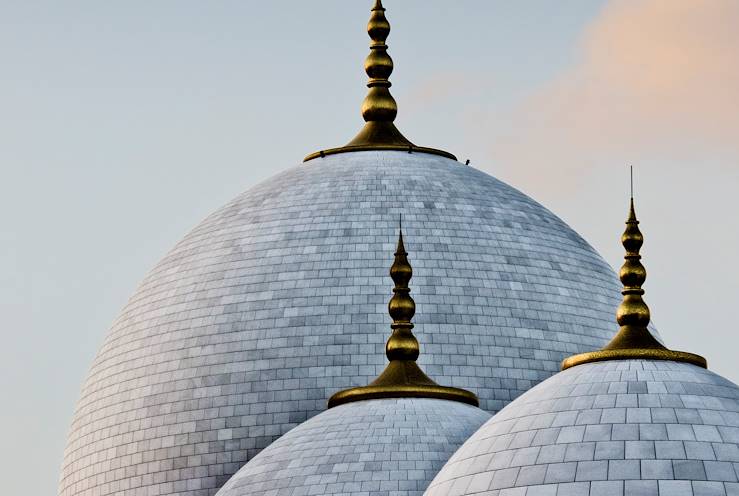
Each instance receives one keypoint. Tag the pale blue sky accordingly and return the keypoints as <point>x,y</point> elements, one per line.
<point>125,123</point>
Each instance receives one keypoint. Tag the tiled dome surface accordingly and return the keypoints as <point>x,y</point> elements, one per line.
<point>381,447</point>
<point>279,299</point>
<point>603,429</point>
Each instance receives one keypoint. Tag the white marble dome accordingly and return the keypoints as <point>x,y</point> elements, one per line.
<point>382,447</point>
<point>279,299</point>
<point>622,427</point>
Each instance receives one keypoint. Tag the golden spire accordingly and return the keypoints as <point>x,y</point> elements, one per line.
<point>402,344</point>
<point>379,108</point>
<point>633,340</point>
<point>379,105</point>
<point>402,378</point>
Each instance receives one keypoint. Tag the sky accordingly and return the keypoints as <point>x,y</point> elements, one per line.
<point>125,123</point>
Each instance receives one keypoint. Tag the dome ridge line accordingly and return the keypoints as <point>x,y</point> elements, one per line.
<point>379,108</point>
<point>402,377</point>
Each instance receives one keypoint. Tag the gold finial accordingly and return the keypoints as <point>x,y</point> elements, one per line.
<point>379,108</point>
<point>402,378</point>
<point>402,344</point>
<point>379,105</point>
<point>633,340</point>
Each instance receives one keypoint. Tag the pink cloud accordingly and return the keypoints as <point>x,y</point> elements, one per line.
<point>654,79</point>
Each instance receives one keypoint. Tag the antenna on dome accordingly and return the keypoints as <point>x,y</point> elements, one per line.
<point>631,177</point>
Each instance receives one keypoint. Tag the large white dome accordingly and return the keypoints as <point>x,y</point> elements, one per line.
<point>278,300</point>
<point>620,427</point>
<point>382,447</point>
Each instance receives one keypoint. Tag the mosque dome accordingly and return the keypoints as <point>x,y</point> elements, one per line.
<point>631,419</point>
<point>277,300</point>
<point>381,446</point>
<point>619,427</point>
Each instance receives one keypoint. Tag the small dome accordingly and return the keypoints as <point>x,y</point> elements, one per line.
<point>605,428</point>
<point>381,447</point>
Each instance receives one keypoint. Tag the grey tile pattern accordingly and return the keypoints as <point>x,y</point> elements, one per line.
<point>278,300</point>
<point>624,427</point>
<point>381,447</point>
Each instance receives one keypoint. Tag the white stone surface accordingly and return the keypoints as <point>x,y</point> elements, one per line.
<point>279,299</point>
<point>625,427</point>
<point>381,447</point>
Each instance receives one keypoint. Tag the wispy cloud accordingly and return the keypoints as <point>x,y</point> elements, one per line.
<point>654,79</point>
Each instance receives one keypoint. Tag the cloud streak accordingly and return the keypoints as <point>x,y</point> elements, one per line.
<point>654,79</point>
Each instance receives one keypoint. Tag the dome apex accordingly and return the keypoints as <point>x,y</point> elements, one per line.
<point>633,340</point>
<point>379,108</point>
<point>402,377</point>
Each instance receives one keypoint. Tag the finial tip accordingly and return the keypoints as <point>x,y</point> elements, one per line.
<point>632,212</point>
